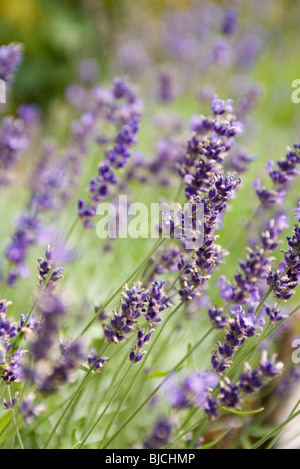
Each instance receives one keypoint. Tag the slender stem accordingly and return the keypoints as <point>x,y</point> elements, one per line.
<point>107,406</point>
<point>275,431</point>
<point>2,390</point>
<point>14,418</point>
<point>158,387</point>
<point>71,228</point>
<point>141,366</point>
<point>131,276</point>
<point>190,415</point>
<point>188,430</point>
<point>76,393</point>
<point>273,441</point>
<point>198,432</point>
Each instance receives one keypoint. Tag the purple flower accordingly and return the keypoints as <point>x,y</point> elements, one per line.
<point>229,394</point>
<point>285,279</point>
<point>8,329</point>
<point>157,302</point>
<point>135,303</point>
<point>166,88</point>
<point>159,436</point>
<point>281,177</point>
<point>193,391</point>
<point>29,113</point>
<point>252,380</point>
<point>219,107</point>
<point>26,234</point>
<point>95,362</point>
<point>297,212</point>
<point>13,370</point>
<point>230,22</point>
<point>241,327</point>
<point>51,309</point>
<point>274,315</point>
<point>216,318</point>
<point>49,274</point>
<point>13,403</point>
<point>29,410</point>
<point>208,148</point>
<point>123,108</point>
<point>269,367</point>
<point>13,143</point>
<point>10,59</point>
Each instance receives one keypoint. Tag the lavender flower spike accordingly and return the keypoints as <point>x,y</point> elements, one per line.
<point>10,59</point>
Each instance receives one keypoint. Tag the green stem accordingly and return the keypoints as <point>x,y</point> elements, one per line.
<point>158,387</point>
<point>14,419</point>
<point>188,430</point>
<point>107,406</point>
<point>186,421</point>
<point>71,401</point>
<point>275,431</point>
<point>273,441</point>
<point>142,366</point>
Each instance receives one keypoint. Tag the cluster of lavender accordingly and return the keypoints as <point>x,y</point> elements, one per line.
<point>48,273</point>
<point>194,391</point>
<point>281,178</point>
<point>241,326</point>
<point>206,184</point>
<point>211,34</point>
<point>95,363</point>
<point>123,108</point>
<point>197,390</point>
<point>25,235</point>
<point>201,170</point>
<point>208,147</point>
<point>54,178</point>
<point>13,137</point>
<point>10,58</point>
<point>255,270</point>
<point>137,302</point>
<point>166,88</point>
<point>159,436</point>
<point>288,380</point>
<point>11,358</point>
<point>230,22</point>
<point>9,405</point>
<point>209,255</point>
<point>48,371</point>
<point>159,168</point>
<point>170,261</point>
<point>250,381</point>
<point>52,182</point>
<point>13,143</point>
<point>29,409</point>
<point>285,279</point>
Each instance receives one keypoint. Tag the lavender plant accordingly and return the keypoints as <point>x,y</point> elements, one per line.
<point>181,342</point>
